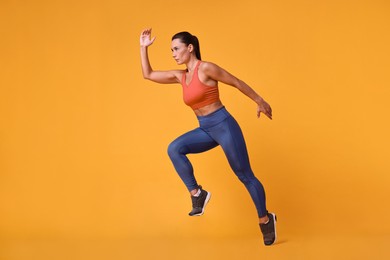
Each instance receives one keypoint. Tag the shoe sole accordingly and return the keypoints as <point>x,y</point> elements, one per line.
<point>275,219</point>
<point>204,206</point>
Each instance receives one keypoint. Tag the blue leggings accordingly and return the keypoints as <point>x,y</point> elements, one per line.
<point>217,128</point>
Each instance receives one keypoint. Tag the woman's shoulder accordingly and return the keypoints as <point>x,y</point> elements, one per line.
<point>178,73</point>
<point>208,65</point>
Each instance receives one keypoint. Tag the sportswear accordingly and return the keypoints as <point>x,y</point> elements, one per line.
<point>197,94</point>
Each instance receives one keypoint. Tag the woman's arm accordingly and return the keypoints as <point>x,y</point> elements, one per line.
<point>171,76</point>
<point>215,72</point>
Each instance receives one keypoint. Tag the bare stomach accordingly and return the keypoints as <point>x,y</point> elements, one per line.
<point>204,111</point>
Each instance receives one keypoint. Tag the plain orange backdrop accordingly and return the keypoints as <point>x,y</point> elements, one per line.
<point>83,136</point>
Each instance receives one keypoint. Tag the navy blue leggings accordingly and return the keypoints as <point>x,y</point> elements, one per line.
<point>217,128</point>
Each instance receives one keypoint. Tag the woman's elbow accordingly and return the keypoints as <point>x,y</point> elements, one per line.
<point>237,83</point>
<point>146,76</point>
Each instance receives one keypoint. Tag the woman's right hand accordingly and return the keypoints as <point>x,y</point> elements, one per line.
<point>145,39</point>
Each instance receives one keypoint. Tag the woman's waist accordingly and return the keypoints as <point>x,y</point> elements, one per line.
<point>208,109</point>
<point>213,118</point>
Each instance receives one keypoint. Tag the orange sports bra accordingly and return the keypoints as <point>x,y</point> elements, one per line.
<point>198,94</point>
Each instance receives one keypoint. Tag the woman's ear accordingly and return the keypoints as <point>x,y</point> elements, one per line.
<point>190,47</point>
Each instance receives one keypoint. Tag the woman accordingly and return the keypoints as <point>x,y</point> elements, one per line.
<point>217,126</point>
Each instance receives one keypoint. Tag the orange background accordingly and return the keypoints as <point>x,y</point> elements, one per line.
<point>84,172</point>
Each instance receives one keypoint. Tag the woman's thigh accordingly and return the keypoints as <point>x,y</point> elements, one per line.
<point>229,135</point>
<point>194,141</point>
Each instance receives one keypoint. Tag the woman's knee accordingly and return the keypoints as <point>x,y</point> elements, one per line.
<point>247,179</point>
<point>171,149</point>
<point>174,149</point>
<point>243,179</point>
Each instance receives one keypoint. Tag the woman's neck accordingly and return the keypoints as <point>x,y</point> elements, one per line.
<point>191,64</point>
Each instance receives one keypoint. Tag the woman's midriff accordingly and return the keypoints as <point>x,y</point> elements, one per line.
<point>204,111</point>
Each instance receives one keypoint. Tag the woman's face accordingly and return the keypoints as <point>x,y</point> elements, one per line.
<point>180,52</point>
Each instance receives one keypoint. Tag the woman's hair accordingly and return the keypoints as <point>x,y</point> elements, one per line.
<point>187,38</point>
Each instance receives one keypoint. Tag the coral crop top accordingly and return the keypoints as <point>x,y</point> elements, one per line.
<point>198,94</point>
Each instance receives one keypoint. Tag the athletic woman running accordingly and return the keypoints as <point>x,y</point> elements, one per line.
<point>216,126</point>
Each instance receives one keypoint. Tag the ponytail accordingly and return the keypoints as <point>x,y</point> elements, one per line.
<point>195,43</point>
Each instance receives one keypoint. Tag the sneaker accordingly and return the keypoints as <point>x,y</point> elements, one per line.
<point>269,230</point>
<point>200,202</point>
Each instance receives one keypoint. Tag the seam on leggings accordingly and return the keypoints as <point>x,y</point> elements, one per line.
<point>235,146</point>
<point>204,130</point>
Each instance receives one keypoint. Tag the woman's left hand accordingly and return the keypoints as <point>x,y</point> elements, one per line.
<point>264,107</point>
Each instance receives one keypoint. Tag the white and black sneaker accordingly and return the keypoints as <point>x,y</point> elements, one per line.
<point>200,202</point>
<point>269,230</point>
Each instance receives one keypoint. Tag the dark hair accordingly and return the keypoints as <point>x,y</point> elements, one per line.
<point>187,38</point>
